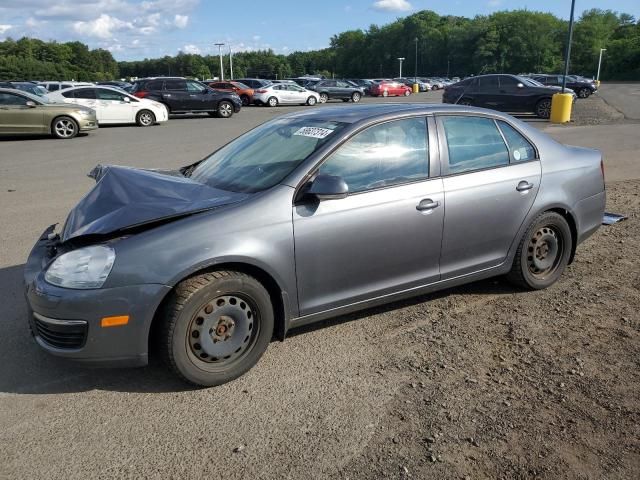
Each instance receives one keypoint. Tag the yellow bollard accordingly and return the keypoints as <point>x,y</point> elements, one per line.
<point>597,83</point>
<point>561,107</point>
<point>416,88</point>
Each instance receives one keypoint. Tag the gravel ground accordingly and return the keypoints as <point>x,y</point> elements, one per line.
<point>594,111</point>
<point>497,383</point>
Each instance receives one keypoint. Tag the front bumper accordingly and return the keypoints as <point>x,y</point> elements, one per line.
<point>87,123</point>
<point>66,322</point>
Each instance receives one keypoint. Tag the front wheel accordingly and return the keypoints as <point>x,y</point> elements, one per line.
<point>225,109</point>
<point>407,93</point>
<point>584,92</point>
<point>216,327</point>
<point>355,97</point>
<point>145,118</point>
<point>543,108</point>
<point>311,101</point>
<point>324,97</point>
<point>64,128</point>
<point>543,253</point>
<point>385,93</point>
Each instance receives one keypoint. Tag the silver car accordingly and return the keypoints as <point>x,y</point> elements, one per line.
<point>308,216</point>
<point>284,93</point>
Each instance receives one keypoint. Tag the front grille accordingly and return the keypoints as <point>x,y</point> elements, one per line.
<point>68,334</point>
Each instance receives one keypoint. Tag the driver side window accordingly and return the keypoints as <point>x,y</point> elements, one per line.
<point>387,154</point>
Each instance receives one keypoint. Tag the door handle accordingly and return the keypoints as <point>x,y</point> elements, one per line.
<point>427,204</point>
<point>523,186</point>
<point>192,95</point>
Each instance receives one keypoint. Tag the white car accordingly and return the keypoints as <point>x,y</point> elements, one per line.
<point>284,93</point>
<point>113,105</point>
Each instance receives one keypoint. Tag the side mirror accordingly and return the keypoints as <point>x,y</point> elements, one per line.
<point>328,187</point>
<point>520,85</point>
<point>31,104</point>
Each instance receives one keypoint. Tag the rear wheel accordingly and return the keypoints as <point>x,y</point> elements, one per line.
<point>543,108</point>
<point>64,128</point>
<point>543,252</point>
<point>225,109</point>
<point>355,97</point>
<point>216,327</point>
<point>245,100</point>
<point>272,102</point>
<point>584,92</point>
<point>324,97</point>
<point>385,93</point>
<point>407,93</point>
<point>311,101</point>
<point>145,118</point>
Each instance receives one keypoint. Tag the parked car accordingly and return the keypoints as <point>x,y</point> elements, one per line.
<point>302,212</point>
<point>509,93</point>
<point>180,95</point>
<point>390,88</point>
<point>254,83</point>
<point>243,91</point>
<point>423,85</point>
<point>436,83</point>
<point>22,113</point>
<point>337,89</point>
<point>285,93</point>
<point>115,83</point>
<point>53,86</point>
<point>363,83</point>
<point>29,87</point>
<point>582,88</point>
<point>114,106</point>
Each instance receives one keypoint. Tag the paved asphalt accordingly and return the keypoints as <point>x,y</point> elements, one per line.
<point>625,97</point>
<point>309,405</point>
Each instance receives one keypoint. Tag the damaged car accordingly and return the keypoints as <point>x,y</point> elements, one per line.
<point>308,216</point>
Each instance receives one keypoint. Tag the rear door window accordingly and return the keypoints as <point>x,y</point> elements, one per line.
<point>153,85</point>
<point>488,84</point>
<point>520,150</point>
<point>52,87</point>
<point>474,143</point>
<point>176,85</point>
<point>106,94</point>
<point>89,93</point>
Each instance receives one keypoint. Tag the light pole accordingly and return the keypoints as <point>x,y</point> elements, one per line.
<point>401,59</point>
<point>220,45</point>
<point>566,60</point>
<point>230,63</point>
<point>600,63</point>
<point>415,66</point>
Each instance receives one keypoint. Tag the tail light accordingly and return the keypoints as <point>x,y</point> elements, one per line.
<point>140,94</point>
<point>261,91</point>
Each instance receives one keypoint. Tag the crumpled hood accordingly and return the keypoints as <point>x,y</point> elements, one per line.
<point>125,197</point>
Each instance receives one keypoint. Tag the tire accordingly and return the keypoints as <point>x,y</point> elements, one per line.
<point>407,93</point>
<point>543,253</point>
<point>311,101</point>
<point>145,118</point>
<point>245,100</point>
<point>543,108</point>
<point>206,318</point>
<point>584,92</point>
<point>324,98</point>
<point>225,109</point>
<point>64,128</point>
<point>272,102</point>
<point>355,97</point>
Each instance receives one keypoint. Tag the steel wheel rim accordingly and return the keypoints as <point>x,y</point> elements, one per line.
<point>544,252</point>
<point>544,109</point>
<point>222,331</point>
<point>225,110</point>
<point>65,128</point>
<point>145,118</point>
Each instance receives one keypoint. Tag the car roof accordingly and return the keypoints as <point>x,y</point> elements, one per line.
<point>357,113</point>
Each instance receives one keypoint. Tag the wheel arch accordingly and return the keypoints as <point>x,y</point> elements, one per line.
<point>279,297</point>
<point>54,119</point>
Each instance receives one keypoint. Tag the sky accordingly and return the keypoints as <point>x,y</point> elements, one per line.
<point>137,29</point>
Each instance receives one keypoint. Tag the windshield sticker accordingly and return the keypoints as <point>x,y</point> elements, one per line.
<point>314,132</point>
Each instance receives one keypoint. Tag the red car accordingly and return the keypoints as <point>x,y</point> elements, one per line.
<point>387,89</point>
<point>244,92</point>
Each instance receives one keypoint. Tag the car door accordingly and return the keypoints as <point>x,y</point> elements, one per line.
<point>487,92</point>
<point>85,97</point>
<point>516,96</point>
<point>343,90</point>
<point>490,185</point>
<point>116,107</point>
<point>385,236</point>
<point>176,96</point>
<point>297,94</point>
<point>18,117</point>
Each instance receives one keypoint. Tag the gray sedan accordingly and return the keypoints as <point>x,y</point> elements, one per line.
<point>308,216</point>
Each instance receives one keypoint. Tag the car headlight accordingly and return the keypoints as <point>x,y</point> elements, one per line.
<point>83,268</point>
<point>83,112</point>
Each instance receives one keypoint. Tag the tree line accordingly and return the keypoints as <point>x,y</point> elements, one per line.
<point>517,41</point>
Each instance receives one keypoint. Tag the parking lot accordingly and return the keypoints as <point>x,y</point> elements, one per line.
<point>481,381</point>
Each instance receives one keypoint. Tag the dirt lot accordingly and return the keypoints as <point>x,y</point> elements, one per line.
<point>498,383</point>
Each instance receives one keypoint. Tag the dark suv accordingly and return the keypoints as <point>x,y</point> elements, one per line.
<point>583,88</point>
<point>187,96</point>
<point>341,89</point>
<point>507,93</point>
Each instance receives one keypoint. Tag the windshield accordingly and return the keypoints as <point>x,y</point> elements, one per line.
<point>264,156</point>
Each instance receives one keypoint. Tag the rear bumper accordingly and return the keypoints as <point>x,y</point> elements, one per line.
<point>67,322</point>
<point>589,213</point>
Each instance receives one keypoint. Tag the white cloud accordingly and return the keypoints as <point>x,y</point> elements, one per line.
<point>494,3</point>
<point>181,21</point>
<point>5,28</point>
<point>191,49</point>
<point>392,5</point>
<point>102,27</point>
<point>256,38</point>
